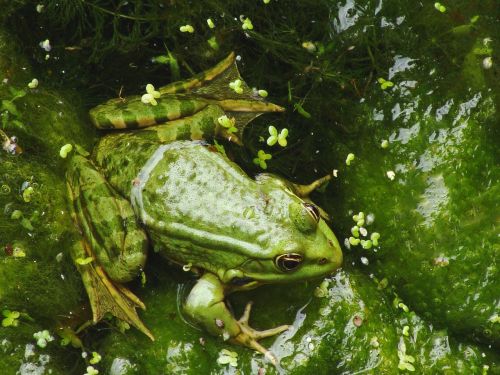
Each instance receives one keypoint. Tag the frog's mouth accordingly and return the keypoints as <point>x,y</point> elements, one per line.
<point>241,281</point>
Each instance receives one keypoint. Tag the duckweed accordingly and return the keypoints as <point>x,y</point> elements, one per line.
<point>355,231</point>
<point>228,357</point>
<point>246,24</point>
<point>384,84</point>
<point>406,330</point>
<point>261,159</point>
<point>18,252</point>
<point>11,318</point>
<point>366,244</point>
<point>262,93</point>
<point>375,236</point>
<point>440,7</point>
<point>45,44</point>
<point>212,42</point>
<point>322,290</point>
<point>96,358</point>
<point>228,123</point>
<point>84,261</point>
<point>43,338</point>
<point>16,215</point>
<point>91,371</point>
<point>151,95</point>
<point>65,150</point>
<point>277,138</point>
<point>350,157</point>
<point>354,241</point>
<point>28,194</point>
<point>186,29</point>
<point>33,84</point>
<point>403,307</point>
<point>236,86</point>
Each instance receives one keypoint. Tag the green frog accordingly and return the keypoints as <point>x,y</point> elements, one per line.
<point>160,186</point>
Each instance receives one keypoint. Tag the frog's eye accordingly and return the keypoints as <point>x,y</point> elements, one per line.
<point>288,262</point>
<point>313,211</point>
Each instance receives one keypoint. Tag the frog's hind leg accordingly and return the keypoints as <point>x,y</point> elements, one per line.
<point>200,78</point>
<point>200,126</point>
<point>112,248</point>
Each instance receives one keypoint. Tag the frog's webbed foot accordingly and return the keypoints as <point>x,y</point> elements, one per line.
<point>107,297</point>
<point>249,336</point>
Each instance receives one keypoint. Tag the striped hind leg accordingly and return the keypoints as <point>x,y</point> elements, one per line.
<point>202,125</point>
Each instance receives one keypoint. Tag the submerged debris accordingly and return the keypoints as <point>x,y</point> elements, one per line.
<point>9,144</point>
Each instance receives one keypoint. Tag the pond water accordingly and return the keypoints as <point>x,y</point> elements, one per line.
<point>397,100</point>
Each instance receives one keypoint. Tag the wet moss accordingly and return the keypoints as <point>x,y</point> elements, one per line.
<point>321,59</point>
<point>438,241</point>
<point>20,353</point>
<point>352,327</point>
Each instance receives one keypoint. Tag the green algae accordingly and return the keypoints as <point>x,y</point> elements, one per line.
<point>21,355</point>
<point>353,328</point>
<point>439,244</point>
<point>431,243</point>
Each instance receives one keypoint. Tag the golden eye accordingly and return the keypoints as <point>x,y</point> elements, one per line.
<point>313,211</point>
<point>288,262</point>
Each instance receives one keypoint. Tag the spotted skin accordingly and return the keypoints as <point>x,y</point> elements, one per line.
<point>159,177</point>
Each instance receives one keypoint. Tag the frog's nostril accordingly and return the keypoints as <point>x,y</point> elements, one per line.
<point>323,261</point>
<point>330,243</point>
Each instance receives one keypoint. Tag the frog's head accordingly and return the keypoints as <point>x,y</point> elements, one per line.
<point>313,251</point>
<point>299,246</point>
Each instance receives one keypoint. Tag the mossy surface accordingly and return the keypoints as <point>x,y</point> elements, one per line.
<point>352,327</point>
<point>438,250</point>
<point>432,190</point>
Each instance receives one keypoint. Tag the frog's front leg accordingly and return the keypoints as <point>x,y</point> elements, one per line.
<point>113,247</point>
<point>205,305</point>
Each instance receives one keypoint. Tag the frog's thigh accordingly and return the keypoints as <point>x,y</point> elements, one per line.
<point>107,221</point>
<point>205,305</point>
<point>201,125</point>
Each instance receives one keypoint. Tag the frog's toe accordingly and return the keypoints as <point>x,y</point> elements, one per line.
<point>270,332</point>
<point>246,338</point>
<point>246,314</point>
<point>257,335</point>
<point>249,337</point>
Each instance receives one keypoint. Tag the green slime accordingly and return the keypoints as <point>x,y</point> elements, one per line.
<point>438,246</point>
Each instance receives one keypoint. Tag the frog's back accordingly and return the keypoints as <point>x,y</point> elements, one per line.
<point>193,200</point>
<point>192,183</point>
